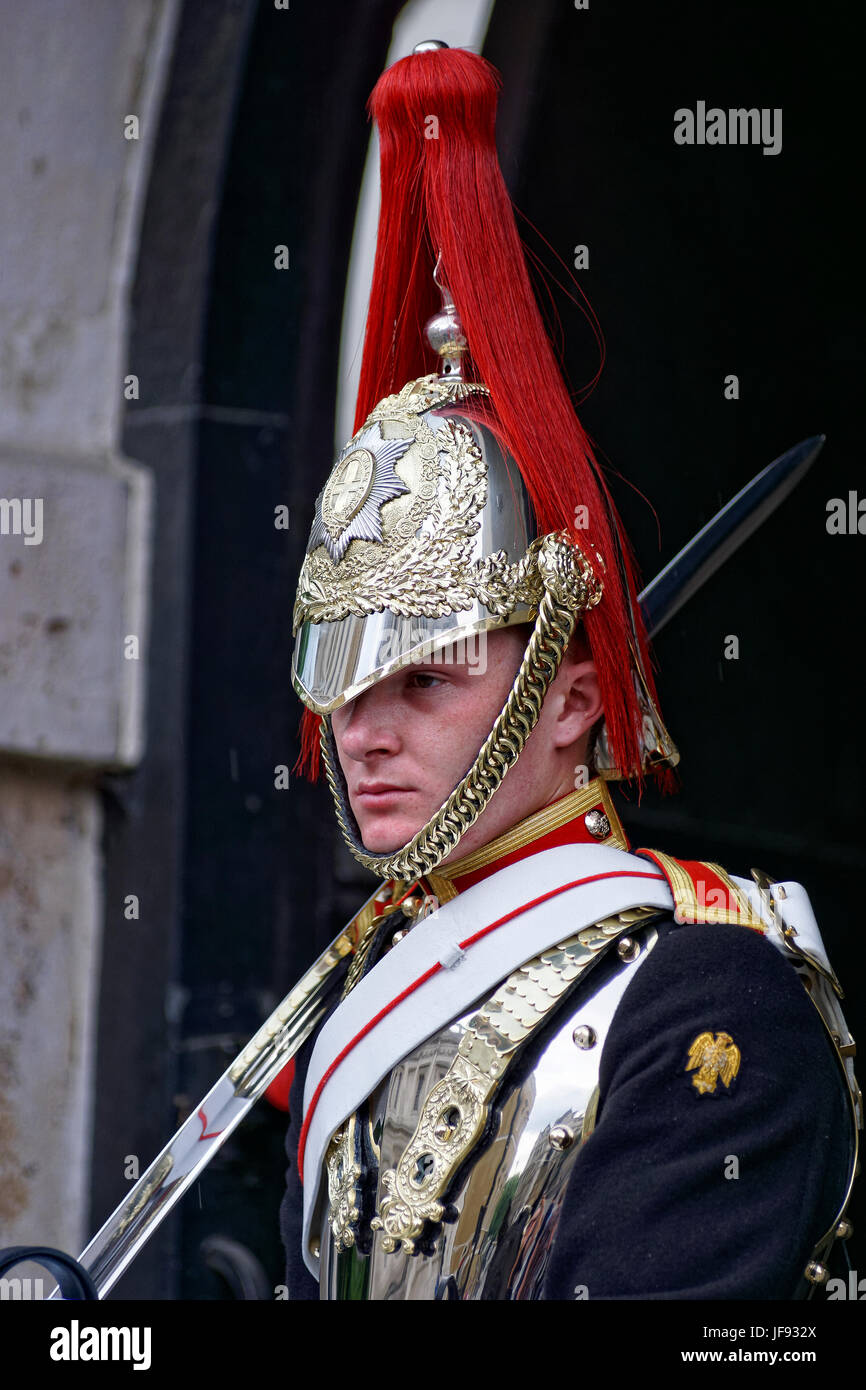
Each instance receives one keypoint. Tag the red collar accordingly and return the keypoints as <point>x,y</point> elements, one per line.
<point>585,816</point>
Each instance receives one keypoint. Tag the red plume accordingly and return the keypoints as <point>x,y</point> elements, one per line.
<point>443,191</point>
<point>307,764</point>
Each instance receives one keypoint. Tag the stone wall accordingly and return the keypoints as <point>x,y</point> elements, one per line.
<point>73,588</point>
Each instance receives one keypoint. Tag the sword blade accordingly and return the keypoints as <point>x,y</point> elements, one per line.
<point>729,528</point>
<point>178,1165</point>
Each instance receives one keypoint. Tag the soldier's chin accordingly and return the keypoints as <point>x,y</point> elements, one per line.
<point>386,838</point>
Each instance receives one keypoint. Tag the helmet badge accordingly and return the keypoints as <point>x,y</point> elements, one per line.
<point>362,481</point>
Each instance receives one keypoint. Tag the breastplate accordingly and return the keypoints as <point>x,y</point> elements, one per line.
<point>501,1222</point>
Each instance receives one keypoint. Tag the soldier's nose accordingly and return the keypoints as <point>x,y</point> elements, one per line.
<point>366,726</point>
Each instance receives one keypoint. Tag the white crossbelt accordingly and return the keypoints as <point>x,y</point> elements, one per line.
<point>454,975</point>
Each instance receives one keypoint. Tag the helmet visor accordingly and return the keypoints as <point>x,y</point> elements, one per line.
<point>334,662</point>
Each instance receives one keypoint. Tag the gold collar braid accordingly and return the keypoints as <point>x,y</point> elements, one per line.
<point>570,588</point>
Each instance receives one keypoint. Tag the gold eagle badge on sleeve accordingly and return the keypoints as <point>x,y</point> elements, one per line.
<point>716,1057</point>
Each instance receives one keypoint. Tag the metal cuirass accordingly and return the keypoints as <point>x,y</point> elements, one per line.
<point>503,1210</point>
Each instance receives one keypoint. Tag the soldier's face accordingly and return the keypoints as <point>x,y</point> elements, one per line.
<point>406,743</point>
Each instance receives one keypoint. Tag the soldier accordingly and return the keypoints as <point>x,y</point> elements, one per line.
<point>552,1067</point>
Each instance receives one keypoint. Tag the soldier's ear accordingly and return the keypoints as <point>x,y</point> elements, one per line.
<point>578,701</point>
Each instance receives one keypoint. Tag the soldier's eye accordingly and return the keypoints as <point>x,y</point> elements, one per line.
<point>423,680</point>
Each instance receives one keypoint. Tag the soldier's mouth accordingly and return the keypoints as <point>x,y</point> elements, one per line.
<point>379,794</point>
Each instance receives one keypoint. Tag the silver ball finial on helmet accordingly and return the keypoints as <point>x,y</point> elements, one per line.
<point>445,333</point>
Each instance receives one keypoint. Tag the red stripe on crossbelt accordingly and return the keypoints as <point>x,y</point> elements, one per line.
<point>434,970</point>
